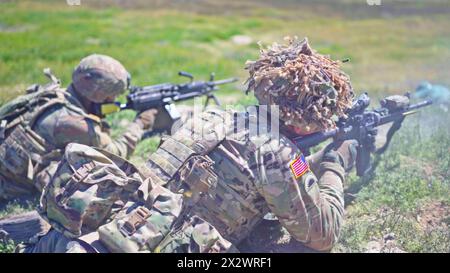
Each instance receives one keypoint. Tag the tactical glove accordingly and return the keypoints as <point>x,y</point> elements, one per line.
<point>146,119</point>
<point>345,154</point>
<point>163,121</point>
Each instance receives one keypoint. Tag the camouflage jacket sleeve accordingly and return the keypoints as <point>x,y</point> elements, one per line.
<point>310,209</point>
<point>79,129</point>
<point>123,146</point>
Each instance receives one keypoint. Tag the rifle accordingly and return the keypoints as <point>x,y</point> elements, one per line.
<point>361,125</point>
<point>163,95</point>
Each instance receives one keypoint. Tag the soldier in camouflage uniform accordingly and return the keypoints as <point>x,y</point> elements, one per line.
<point>238,176</point>
<point>98,202</point>
<point>35,128</point>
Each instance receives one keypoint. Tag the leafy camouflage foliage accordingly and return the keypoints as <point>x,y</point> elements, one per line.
<point>309,87</point>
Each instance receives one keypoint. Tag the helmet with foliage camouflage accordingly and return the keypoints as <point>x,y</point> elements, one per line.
<point>99,77</point>
<point>309,88</point>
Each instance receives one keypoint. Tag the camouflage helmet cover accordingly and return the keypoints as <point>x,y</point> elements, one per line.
<point>98,77</point>
<point>309,88</point>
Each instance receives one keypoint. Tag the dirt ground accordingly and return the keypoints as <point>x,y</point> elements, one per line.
<point>433,215</point>
<point>271,237</point>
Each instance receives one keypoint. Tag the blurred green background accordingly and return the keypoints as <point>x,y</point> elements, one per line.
<point>392,47</point>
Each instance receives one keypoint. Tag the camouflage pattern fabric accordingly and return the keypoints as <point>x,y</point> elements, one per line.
<point>87,187</point>
<point>54,126</point>
<point>63,125</point>
<point>254,178</point>
<point>91,207</point>
<point>197,236</point>
<point>99,78</point>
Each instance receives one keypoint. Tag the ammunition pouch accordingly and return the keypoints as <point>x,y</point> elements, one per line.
<point>88,188</point>
<point>22,153</point>
<point>153,230</point>
<point>139,228</point>
<point>181,161</point>
<point>198,175</point>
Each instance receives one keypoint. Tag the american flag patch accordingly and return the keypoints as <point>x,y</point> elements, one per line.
<point>299,166</point>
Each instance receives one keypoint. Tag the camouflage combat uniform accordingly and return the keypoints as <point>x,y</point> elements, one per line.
<point>36,128</point>
<point>249,176</point>
<point>97,202</point>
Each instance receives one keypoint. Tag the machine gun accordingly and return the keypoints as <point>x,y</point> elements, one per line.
<point>164,95</point>
<point>361,125</point>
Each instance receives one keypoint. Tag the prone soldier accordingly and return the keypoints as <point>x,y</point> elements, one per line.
<point>35,128</point>
<point>97,202</point>
<point>238,176</point>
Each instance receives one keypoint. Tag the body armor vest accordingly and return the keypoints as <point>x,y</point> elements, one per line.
<point>231,203</point>
<point>23,152</point>
<point>100,200</point>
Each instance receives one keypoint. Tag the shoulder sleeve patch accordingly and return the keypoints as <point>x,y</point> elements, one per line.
<point>299,166</point>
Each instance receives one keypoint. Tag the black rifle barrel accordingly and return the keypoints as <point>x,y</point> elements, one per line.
<point>224,81</point>
<point>306,142</point>
<point>151,96</point>
<point>400,114</point>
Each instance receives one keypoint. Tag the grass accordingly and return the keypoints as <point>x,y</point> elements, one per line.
<point>389,54</point>
<point>412,175</point>
<point>11,208</point>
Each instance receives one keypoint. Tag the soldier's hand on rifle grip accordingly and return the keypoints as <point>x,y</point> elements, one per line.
<point>146,119</point>
<point>163,121</point>
<point>371,139</point>
<point>345,154</point>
